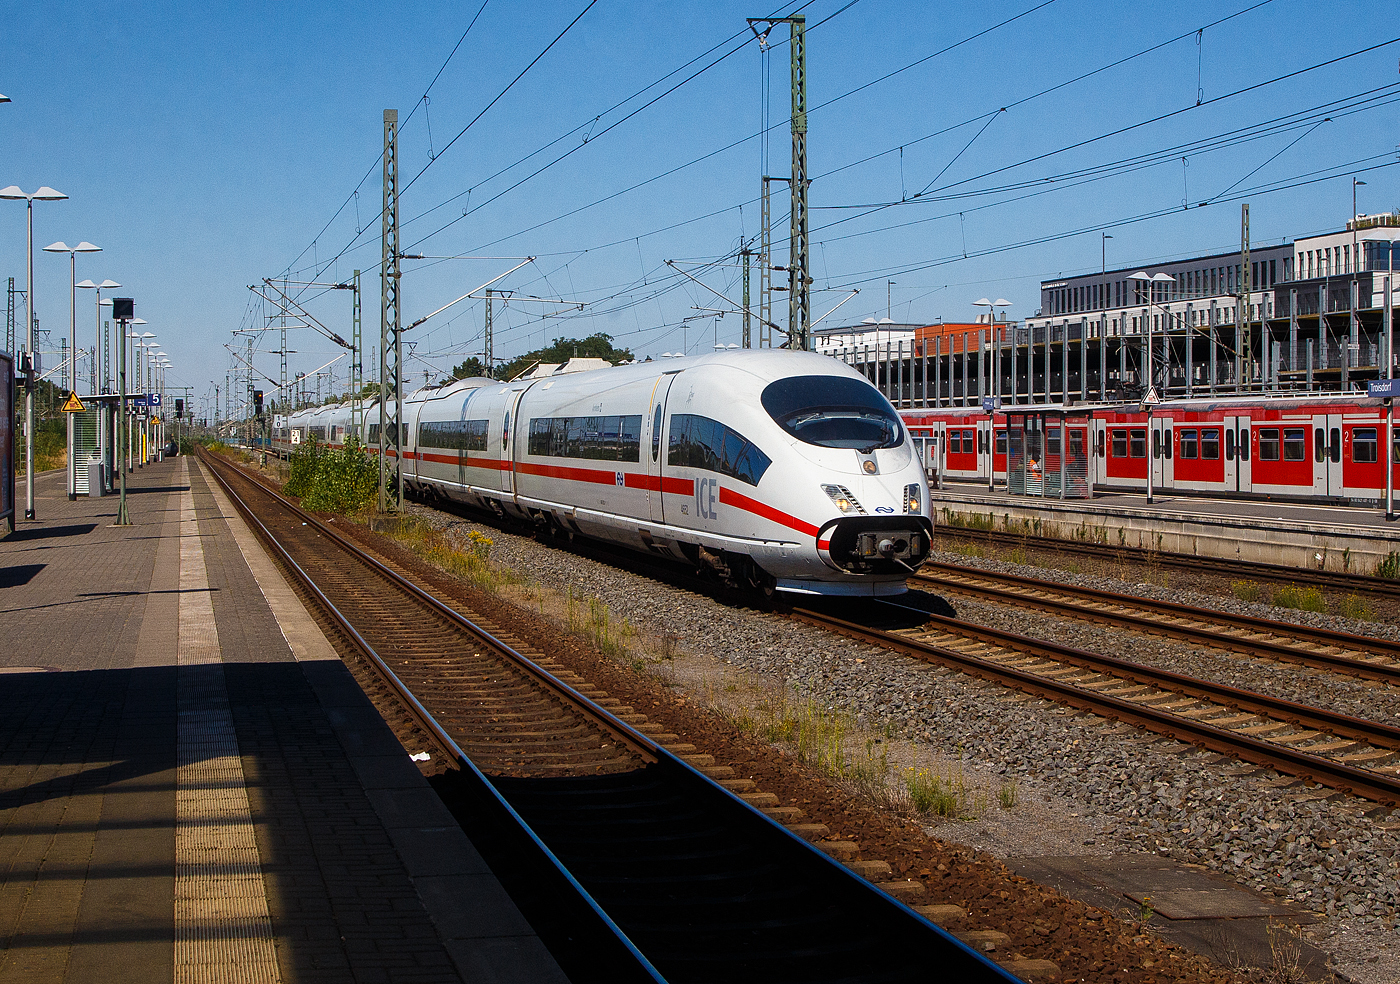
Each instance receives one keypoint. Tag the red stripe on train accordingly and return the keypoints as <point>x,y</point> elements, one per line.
<point>737,499</point>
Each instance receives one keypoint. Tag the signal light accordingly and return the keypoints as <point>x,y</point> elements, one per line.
<point>257,402</point>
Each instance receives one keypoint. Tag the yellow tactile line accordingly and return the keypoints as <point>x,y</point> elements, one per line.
<point>222,930</point>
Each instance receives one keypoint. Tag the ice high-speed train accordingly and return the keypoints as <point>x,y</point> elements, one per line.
<point>782,470</point>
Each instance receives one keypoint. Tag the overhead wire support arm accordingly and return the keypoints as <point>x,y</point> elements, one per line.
<point>301,312</point>
<point>471,293</point>
<point>737,307</point>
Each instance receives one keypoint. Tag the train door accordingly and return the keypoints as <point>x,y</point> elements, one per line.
<point>985,458</point>
<point>1161,462</point>
<point>1327,454</point>
<point>1237,454</point>
<point>1100,470</point>
<point>655,459</point>
<point>510,426</point>
<point>934,452</point>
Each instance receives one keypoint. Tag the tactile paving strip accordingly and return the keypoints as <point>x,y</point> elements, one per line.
<point>222,930</point>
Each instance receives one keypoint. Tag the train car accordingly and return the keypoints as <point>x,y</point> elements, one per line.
<point>783,470</point>
<point>1324,449</point>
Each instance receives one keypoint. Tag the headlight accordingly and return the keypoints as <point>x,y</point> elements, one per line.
<point>845,502</point>
<point>912,500</point>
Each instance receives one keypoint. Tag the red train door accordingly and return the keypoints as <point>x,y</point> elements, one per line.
<point>984,448</point>
<point>1238,470</point>
<point>1161,452</point>
<point>1327,454</point>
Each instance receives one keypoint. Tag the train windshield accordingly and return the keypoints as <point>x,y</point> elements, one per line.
<point>833,412</point>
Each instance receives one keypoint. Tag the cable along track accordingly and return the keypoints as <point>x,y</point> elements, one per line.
<point>1372,659</point>
<point>1344,753</point>
<point>696,884</point>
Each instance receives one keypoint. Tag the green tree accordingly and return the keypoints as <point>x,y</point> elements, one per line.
<point>465,370</point>
<point>597,346</point>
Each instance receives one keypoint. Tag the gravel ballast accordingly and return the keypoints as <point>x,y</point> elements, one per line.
<point>1083,785</point>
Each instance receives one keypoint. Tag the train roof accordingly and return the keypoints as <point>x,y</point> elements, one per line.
<point>1197,404</point>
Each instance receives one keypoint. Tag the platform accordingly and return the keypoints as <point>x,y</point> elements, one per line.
<point>192,785</point>
<point>1335,538</point>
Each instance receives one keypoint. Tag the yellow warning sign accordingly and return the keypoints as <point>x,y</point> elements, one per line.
<point>74,405</point>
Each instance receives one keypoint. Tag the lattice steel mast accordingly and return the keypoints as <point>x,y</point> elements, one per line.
<point>390,336</point>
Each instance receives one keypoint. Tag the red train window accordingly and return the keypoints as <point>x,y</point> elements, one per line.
<point>1137,443</point>
<point>1295,444</point>
<point>1189,447</point>
<point>1210,443</point>
<point>1120,443</point>
<point>1268,444</point>
<point>1364,445</point>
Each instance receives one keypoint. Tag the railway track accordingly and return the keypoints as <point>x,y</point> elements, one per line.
<point>1368,658</point>
<point>1341,752</point>
<point>676,877</point>
<point>1345,584</point>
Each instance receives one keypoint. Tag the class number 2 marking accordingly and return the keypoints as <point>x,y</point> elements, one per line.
<point>706,498</point>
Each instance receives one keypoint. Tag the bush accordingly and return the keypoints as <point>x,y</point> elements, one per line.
<point>1303,599</point>
<point>305,462</point>
<point>1390,567</point>
<point>342,480</point>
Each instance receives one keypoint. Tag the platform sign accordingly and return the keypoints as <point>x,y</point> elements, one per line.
<point>138,400</point>
<point>152,399</point>
<point>73,404</point>
<point>7,439</point>
<point>1383,389</point>
<point>991,403</point>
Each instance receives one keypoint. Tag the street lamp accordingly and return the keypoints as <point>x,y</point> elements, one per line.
<point>136,348</point>
<point>73,251</point>
<point>1149,398</point>
<point>44,194</point>
<point>98,377</point>
<point>991,307</point>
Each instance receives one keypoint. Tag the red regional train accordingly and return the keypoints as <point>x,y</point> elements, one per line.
<point>1316,449</point>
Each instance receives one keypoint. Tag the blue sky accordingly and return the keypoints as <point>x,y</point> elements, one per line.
<point>206,147</point>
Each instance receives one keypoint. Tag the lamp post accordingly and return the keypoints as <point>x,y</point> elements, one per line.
<point>991,307</point>
<point>98,380</point>
<point>1149,398</point>
<point>73,251</point>
<point>137,350</point>
<point>44,194</point>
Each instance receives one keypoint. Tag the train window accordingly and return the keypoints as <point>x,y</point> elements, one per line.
<point>1268,444</point>
<point>455,435</point>
<point>1319,444</point>
<point>1210,443</point>
<point>699,442</point>
<point>1295,444</point>
<point>1052,441</point>
<point>656,433</point>
<point>1100,444</point>
<point>1363,445</point>
<point>1137,442</point>
<point>1395,448</point>
<point>1244,444</point>
<point>591,438</point>
<point>1001,442</point>
<point>967,441</point>
<point>1076,444</point>
<point>1189,449</point>
<point>1336,448</point>
<point>833,412</point>
<point>1120,443</point>
<point>1230,445</point>
<point>1156,444</point>
<point>955,442</point>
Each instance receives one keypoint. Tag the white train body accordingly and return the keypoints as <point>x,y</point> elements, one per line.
<point>771,467</point>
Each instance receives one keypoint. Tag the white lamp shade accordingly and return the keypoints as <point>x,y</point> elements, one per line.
<point>1001,302</point>
<point>88,284</point>
<point>47,194</point>
<point>108,283</point>
<point>58,247</point>
<point>983,303</point>
<point>87,247</point>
